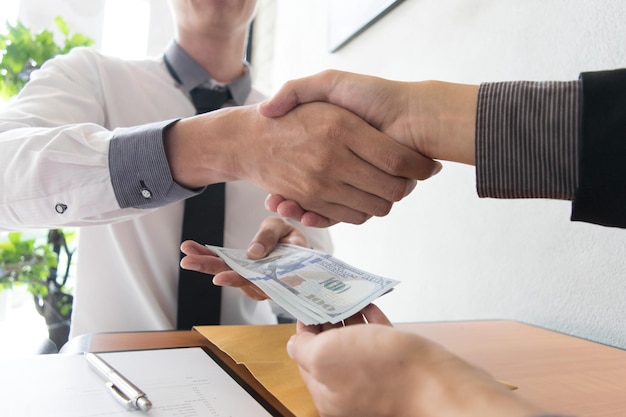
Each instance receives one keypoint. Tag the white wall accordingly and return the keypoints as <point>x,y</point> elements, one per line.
<point>458,256</point>
<point>87,17</point>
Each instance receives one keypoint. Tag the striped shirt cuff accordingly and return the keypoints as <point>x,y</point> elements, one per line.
<point>140,173</point>
<point>527,136</point>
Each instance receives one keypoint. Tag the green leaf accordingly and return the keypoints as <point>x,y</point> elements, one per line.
<point>62,25</point>
<point>21,52</point>
<point>15,237</point>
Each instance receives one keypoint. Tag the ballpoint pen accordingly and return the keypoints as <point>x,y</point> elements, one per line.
<point>122,389</point>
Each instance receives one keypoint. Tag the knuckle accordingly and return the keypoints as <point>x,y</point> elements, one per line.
<point>329,74</point>
<point>359,218</point>
<point>397,190</point>
<point>333,128</point>
<point>397,163</point>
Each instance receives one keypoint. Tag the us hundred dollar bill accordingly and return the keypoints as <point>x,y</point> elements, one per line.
<point>313,286</point>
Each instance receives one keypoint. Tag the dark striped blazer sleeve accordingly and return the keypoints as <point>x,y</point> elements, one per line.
<point>601,194</point>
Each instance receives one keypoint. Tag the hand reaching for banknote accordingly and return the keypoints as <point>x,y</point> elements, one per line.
<point>273,230</point>
<point>368,368</point>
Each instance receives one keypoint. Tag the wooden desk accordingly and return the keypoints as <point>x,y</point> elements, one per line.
<point>561,373</point>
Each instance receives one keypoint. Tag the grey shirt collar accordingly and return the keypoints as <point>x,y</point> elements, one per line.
<point>191,75</point>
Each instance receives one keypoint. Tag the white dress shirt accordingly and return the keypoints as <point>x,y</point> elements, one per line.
<point>55,167</point>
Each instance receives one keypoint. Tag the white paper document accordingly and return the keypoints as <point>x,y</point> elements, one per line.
<point>180,382</point>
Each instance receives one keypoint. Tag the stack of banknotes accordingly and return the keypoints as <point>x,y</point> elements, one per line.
<point>313,286</point>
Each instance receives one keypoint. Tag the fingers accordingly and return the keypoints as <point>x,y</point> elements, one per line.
<point>311,219</point>
<point>295,92</point>
<point>375,315</point>
<point>272,201</point>
<point>371,314</point>
<point>292,210</point>
<point>355,172</point>
<point>302,328</point>
<point>191,247</point>
<point>233,279</point>
<point>299,345</point>
<point>399,161</point>
<point>355,319</point>
<point>274,230</point>
<point>302,344</point>
<point>201,259</point>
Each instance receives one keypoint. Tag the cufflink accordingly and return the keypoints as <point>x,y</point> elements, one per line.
<point>60,208</point>
<point>145,191</point>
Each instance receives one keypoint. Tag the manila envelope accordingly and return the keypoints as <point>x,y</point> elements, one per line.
<point>262,350</point>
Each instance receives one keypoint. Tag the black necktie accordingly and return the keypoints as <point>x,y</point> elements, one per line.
<point>199,301</point>
<point>209,99</point>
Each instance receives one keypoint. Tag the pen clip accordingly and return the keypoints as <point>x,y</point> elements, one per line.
<point>120,396</point>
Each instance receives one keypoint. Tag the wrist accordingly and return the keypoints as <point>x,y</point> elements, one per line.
<point>446,118</point>
<point>198,149</point>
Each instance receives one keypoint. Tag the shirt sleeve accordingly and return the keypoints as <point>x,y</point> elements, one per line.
<point>140,172</point>
<point>57,166</point>
<point>527,135</point>
<point>601,194</point>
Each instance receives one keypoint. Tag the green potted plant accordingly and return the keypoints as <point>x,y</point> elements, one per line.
<point>24,261</point>
<point>22,52</point>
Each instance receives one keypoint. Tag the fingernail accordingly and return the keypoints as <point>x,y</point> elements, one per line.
<point>290,346</point>
<point>190,266</point>
<point>410,187</point>
<point>437,169</point>
<point>256,249</point>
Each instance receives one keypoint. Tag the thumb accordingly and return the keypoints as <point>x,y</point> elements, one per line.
<point>277,106</point>
<point>316,87</point>
<point>299,347</point>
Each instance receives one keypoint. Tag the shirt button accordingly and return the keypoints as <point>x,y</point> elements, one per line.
<point>60,208</point>
<point>145,193</point>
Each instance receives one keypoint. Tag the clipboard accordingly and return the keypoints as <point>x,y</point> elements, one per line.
<point>191,381</point>
<point>248,382</point>
<point>249,386</point>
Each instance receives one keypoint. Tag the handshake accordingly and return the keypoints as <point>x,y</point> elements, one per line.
<point>364,164</point>
<point>333,147</point>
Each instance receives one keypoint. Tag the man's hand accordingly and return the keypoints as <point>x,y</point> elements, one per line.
<point>273,230</point>
<point>322,156</point>
<point>373,370</point>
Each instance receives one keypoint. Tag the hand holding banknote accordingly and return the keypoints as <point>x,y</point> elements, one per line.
<point>273,230</point>
<point>313,286</point>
